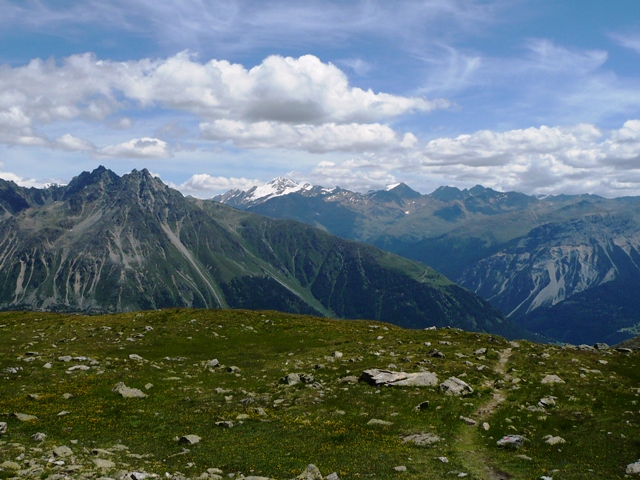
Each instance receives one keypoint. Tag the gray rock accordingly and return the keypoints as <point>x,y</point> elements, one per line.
<point>39,437</point>
<point>423,405</point>
<point>10,465</point>
<point>551,440</point>
<point>547,402</point>
<point>233,369</point>
<point>601,346</point>
<point>136,357</point>
<point>127,392</point>
<point>212,363</point>
<point>135,476</point>
<point>62,451</point>
<point>225,424</point>
<point>587,348</point>
<point>443,459</point>
<point>3,428</point>
<point>190,439</point>
<point>23,417</point>
<point>421,439</point>
<point>455,386</point>
<point>332,476</point>
<point>337,354</point>
<point>65,358</point>
<point>307,378</point>
<point>468,421</point>
<point>624,350</point>
<point>101,451</point>
<point>103,463</point>
<point>398,379</point>
<point>480,351</point>
<point>348,379</point>
<point>310,473</point>
<point>400,468</point>
<point>436,354</point>
<point>290,379</point>
<point>549,379</point>
<point>375,421</point>
<point>511,441</point>
<point>632,468</point>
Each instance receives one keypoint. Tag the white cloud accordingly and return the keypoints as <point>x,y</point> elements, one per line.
<point>311,138</point>
<point>204,186</point>
<point>72,143</point>
<point>25,181</point>
<point>628,41</point>
<point>137,148</point>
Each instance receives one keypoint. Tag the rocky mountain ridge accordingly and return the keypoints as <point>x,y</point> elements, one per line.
<point>106,243</point>
<point>544,261</point>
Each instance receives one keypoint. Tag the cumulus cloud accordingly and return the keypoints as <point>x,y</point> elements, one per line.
<point>311,138</point>
<point>204,185</point>
<point>137,148</point>
<point>288,94</point>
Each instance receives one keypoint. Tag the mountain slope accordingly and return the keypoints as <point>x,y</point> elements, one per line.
<point>110,243</point>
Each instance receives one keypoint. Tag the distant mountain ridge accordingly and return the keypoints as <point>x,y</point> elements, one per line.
<point>106,243</point>
<point>565,266</point>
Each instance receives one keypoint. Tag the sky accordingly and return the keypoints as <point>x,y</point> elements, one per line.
<point>536,96</point>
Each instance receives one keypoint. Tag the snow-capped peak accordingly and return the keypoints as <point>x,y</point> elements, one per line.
<point>276,188</point>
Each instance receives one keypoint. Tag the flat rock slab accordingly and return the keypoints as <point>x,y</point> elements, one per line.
<point>62,451</point>
<point>127,392</point>
<point>103,463</point>
<point>378,377</point>
<point>421,439</point>
<point>23,417</point>
<point>455,386</point>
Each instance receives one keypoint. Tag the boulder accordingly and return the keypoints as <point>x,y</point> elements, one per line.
<point>511,441</point>
<point>633,468</point>
<point>455,386</point>
<point>549,379</point>
<point>127,392</point>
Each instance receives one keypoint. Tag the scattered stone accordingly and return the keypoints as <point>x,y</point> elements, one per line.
<point>189,439</point>
<point>259,411</point>
<point>67,396</point>
<point>332,476</point>
<point>337,354</point>
<point>400,468</point>
<point>65,358</point>
<point>524,457</point>
<point>443,459</point>
<point>23,417</point>
<point>480,351</point>
<point>78,367</point>
<point>468,421</point>
<point>310,473</point>
<point>135,476</point>
<point>225,424</point>
<point>632,468</point>
<point>547,402</point>
<point>455,386</point>
<point>62,451</point>
<point>307,378</point>
<point>3,428</point>
<point>63,413</point>
<point>551,440</point>
<point>624,350</point>
<point>348,379</point>
<point>136,357</point>
<point>485,426</point>
<point>549,379</point>
<point>511,441</point>
<point>47,365</point>
<point>148,386</point>
<point>436,354</point>
<point>212,363</point>
<point>423,406</point>
<point>101,451</point>
<point>233,369</point>
<point>103,463</point>
<point>375,421</point>
<point>421,439</point>
<point>587,348</point>
<point>601,346</point>
<point>127,392</point>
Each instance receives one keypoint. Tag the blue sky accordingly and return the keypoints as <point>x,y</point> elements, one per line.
<point>539,96</point>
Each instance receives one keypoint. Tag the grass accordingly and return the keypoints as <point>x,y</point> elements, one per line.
<point>596,413</point>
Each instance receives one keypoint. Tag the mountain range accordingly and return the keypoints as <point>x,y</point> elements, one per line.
<point>109,243</point>
<point>564,266</point>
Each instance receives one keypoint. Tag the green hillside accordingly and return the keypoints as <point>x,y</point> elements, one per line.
<point>63,368</point>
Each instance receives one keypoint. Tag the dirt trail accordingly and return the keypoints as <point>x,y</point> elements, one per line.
<point>469,444</point>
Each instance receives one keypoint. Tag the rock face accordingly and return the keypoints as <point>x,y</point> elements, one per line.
<point>455,386</point>
<point>127,392</point>
<point>399,379</point>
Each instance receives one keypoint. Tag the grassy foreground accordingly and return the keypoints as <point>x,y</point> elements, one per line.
<point>278,429</point>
